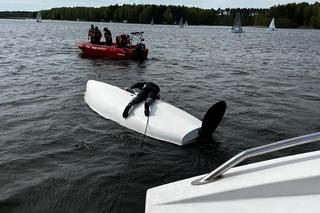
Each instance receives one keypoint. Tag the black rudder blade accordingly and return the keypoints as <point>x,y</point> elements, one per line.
<point>212,119</point>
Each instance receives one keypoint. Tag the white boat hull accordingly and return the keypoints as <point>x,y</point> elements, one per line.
<point>236,30</point>
<point>289,184</point>
<point>166,122</point>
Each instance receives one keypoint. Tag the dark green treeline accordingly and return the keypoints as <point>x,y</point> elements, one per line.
<point>17,14</point>
<point>290,15</point>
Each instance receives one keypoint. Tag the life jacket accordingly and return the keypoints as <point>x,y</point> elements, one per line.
<point>97,33</point>
<point>118,40</point>
<point>107,33</point>
<point>91,32</point>
<point>124,40</point>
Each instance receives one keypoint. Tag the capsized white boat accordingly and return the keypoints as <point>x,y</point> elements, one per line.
<point>166,122</point>
<point>282,185</point>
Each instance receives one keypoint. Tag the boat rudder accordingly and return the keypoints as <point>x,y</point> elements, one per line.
<point>212,119</point>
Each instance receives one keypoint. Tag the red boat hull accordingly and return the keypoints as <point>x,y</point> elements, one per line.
<point>111,52</point>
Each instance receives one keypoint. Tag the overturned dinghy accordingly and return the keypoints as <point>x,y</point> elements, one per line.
<point>166,122</point>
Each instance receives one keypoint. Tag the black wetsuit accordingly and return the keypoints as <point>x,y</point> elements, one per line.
<point>149,92</point>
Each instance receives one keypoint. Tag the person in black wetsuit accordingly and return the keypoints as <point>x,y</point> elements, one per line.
<point>149,92</point>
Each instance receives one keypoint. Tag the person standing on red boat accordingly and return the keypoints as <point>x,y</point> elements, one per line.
<point>90,33</point>
<point>108,36</point>
<point>96,35</point>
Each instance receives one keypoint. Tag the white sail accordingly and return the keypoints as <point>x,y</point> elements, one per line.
<point>272,25</point>
<point>152,22</point>
<point>181,22</point>
<point>236,27</point>
<point>39,18</point>
<point>186,23</point>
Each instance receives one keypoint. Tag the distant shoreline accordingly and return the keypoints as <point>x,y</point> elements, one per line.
<point>292,15</point>
<point>15,18</point>
<point>248,26</point>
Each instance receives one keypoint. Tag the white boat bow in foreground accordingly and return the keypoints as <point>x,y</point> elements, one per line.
<point>288,184</point>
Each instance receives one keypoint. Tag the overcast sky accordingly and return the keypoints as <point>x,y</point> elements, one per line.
<point>34,5</point>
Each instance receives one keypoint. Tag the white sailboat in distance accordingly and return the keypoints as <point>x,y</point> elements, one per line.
<point>236,27</point>
<point>39,18</point>
<point>181,22</point>
<point>186,23</point>
<point>272,26</point>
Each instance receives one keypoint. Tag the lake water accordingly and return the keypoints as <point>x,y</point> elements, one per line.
<point>57,155</point>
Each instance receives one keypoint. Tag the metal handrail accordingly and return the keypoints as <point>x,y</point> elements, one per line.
<point>218,172</point>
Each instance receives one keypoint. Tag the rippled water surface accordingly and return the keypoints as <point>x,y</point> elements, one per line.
<point>57,155</point>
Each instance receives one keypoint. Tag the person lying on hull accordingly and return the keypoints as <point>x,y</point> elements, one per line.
<point>149,92</point>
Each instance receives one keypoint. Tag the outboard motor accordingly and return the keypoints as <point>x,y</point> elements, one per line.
<point>139,52</point>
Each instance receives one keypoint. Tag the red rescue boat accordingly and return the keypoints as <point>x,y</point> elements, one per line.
<point>118,50</point>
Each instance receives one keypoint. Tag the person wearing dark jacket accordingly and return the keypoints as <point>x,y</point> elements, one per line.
<point>90,33</point>
<point>96,35</point>
<point>108,36</point>
<point>148,91</point>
